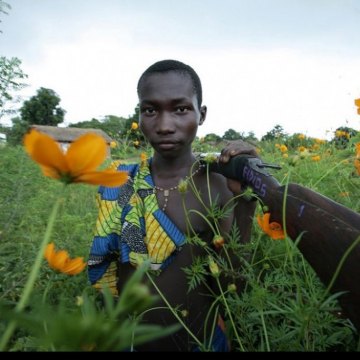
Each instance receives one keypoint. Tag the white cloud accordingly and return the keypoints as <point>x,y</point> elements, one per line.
<point>259,66</point>
<point>244,89</point>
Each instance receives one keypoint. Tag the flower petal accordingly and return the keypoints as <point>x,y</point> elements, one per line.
<point>45,151</point>
<point>106,178</point>
<point>86,153</point>
<point>74,266</point>
<point>50,172</point>
<point>59,260</point>
<point>49,252</point>
<point>276,232</point>
<point>264,222</point>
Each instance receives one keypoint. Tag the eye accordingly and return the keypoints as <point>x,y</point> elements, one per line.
<point>148,110</point>
<point>182,109</point>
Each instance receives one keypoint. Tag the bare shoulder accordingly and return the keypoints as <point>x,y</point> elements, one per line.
<point>217,184</point>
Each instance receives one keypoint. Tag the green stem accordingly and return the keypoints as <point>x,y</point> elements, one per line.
<point>174,312</point>
<point>265,331</point>
<point>230,316</point>
<point>327,173</point>
<point>341,263</point>
<point>32,277</point>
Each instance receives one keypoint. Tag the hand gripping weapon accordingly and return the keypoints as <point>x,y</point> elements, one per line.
<point>330,232</point>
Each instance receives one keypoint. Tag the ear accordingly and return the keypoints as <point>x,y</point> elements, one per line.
<point>203,111</point>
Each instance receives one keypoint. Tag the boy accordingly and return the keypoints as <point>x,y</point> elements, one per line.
<point>146,218</point>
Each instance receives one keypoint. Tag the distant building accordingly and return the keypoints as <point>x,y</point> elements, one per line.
<point>65,136</point>
<point>2,138</point>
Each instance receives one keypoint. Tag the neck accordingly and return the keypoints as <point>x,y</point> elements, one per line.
<point>171,167</point>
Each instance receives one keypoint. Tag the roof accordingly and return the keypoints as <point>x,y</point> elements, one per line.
<point>69,134</point>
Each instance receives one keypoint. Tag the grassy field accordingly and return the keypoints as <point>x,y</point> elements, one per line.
<point>282,308</point>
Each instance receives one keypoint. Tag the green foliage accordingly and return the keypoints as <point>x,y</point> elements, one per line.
<point>276,133</point>
<point>16,133</point>
<point>111,124</point>
<point>284,306</point>
<point>43,109</point>
<point>212,138</point>
<point>11,77</point>
<point>342,136</point>
<point>231,134</point>
<point>90,326</point>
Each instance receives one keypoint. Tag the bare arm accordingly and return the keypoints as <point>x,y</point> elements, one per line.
<point>244,210</point>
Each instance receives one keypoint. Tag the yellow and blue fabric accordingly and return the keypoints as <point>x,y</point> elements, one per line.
<point>131,228</point>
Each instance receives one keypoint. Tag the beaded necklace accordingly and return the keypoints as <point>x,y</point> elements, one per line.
<point>166,192</point>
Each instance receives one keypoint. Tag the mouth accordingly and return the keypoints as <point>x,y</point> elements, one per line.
<point>167,145</point>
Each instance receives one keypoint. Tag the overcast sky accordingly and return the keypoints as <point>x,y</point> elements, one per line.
<point>262,62</point>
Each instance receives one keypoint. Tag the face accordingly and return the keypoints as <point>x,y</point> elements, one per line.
<point>169,112</point>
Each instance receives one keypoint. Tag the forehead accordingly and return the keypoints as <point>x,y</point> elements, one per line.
<point>170,84</point>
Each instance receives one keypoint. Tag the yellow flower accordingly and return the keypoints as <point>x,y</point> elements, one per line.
<point>136,143</point>
<point>301,136</point>
<point>60,261</point>
<point>273,229</point>
<point>113,144</point>
<point>344,194</point>
<point>134,125</point>
<point>320,141</point>
<point>286,155</point>
<point>143,159</point>
<point>301,148</point>
<point>316,158</point>
<point>283,148</point>
<point>78,164</point>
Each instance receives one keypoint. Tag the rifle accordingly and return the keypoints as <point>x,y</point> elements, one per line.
<point>329,232</point>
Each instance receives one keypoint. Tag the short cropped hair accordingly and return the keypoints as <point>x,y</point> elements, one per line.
<point>164,66</point>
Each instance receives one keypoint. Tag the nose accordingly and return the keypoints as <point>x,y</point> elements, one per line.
<point>165,124</point>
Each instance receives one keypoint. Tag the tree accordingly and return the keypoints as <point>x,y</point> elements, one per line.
<point>3,7</point>
<point>276,133</point>
<point>212,138</point>
<point>16,133</point>
<point>11,77</point>
<point>231,134</point>
<point>113,125</point>
<point>43,109</point>
<point>251,136</point>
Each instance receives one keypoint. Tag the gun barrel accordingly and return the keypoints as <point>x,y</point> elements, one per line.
<point>326,229</point>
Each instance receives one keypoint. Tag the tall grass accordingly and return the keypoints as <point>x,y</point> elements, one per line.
<point>282,307</point>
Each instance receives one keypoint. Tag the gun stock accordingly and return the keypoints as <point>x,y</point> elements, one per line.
<point>327,229</point>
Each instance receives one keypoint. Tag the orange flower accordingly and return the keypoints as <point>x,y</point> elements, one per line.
<point>60,261</point>
<point>78,164</point>
<point>357,150</point>
<point>316,158</point>
<point>273,229</point>
<point>357,165</point>
<point>134,126</point>
<point>357,103</point>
